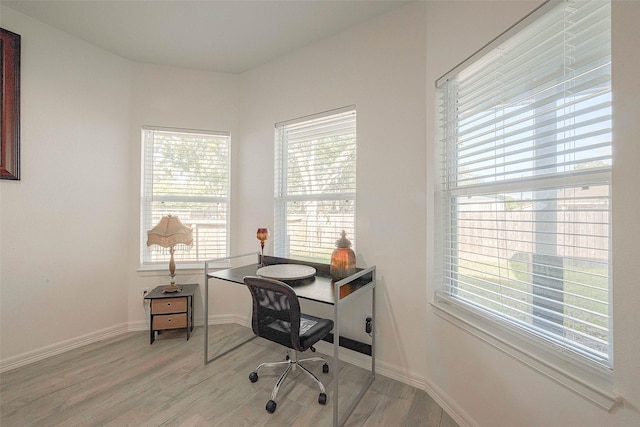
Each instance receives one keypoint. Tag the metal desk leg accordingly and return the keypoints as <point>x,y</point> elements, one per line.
<point>336,345</point>
<point>336,355</point>
<point>206,313</point>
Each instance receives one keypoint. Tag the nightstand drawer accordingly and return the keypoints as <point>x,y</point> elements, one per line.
<point>168,305</point>
<point>170,321</point>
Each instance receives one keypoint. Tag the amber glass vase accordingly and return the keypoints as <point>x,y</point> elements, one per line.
<point>343,259</point>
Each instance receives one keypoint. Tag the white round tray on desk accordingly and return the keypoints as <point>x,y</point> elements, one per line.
<point>286,271</point>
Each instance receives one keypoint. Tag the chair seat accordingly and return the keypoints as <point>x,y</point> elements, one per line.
<point>280,331</point>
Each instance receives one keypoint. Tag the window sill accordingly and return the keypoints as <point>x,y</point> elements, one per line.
<point>192,268</point>
<point>164,269</point>
<point>590,381</point>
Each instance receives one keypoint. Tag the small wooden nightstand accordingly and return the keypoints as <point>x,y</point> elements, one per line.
<point>171,310</point>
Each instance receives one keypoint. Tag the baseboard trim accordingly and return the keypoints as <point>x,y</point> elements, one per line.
<point>458,414</point>
<point>61,347</point>
<point>223,319</point>
<point>140,325</point>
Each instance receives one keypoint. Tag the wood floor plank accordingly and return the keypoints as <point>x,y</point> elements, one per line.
<point>124,381</point>
<point>424,411</point>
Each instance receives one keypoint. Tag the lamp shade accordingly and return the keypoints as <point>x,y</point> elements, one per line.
<point>170,231</point>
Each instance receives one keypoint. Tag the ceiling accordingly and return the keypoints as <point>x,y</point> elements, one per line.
<point>225,36</point>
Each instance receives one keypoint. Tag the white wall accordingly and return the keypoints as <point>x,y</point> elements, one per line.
<point>626,204</point>
<point>179,98</point>
<point>379,68</point>
<point>64,224</point>
<point>485,386</point>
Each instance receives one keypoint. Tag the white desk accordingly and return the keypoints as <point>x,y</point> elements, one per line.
<point>319,288</point>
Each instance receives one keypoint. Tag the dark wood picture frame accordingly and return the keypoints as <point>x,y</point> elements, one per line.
<point>10,105</point>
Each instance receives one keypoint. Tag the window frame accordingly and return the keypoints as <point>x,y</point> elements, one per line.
<point>146,200</point>
<point>281,187</point>
<point>590,380</point>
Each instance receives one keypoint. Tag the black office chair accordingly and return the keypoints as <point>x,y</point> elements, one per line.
<point>277,317</point>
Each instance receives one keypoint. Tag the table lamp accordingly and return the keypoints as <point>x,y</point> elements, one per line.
<point>168,233</point>
<point>262,234</point>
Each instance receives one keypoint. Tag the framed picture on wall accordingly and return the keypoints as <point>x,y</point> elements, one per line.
<point>10,104</point>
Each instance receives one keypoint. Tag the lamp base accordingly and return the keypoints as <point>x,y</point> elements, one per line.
<point>171,289</point>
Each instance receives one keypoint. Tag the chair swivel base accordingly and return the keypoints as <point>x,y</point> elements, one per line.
<point>291,364</point>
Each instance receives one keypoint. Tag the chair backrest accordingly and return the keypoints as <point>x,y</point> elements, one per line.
<point>276,311</point>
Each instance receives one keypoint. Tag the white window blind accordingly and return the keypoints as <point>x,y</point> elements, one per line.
<point>315,185</point>
<point>525,172</point>
<point>186,174</point>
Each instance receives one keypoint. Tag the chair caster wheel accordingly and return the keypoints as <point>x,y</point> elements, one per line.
<point>271,407</point>
<point>325,369</point>
<point>253,377</point>
<point>322,399</point>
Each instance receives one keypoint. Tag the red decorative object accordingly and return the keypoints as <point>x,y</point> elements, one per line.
<point>343,259</point>
<point>262,234</point>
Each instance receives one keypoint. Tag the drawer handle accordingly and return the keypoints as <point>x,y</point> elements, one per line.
<point>168,304</point>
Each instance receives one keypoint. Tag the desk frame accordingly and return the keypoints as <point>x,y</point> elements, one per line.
<point>341,287</point>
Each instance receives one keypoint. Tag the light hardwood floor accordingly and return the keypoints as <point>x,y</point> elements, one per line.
<point>124,381</point>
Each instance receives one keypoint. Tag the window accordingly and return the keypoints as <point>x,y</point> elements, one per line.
<point>315,185</point>
<point>186,173</point>
<point>525,180</point>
